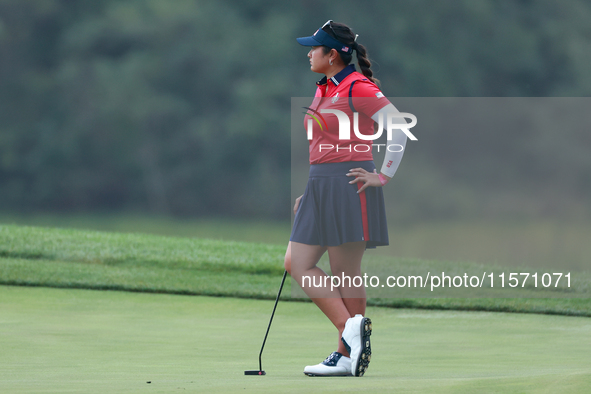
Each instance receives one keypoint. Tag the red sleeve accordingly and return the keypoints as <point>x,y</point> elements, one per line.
<point>368,98</point>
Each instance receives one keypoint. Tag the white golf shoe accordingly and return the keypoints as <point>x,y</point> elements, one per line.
<point>356,339</point>
<point>334,365</point>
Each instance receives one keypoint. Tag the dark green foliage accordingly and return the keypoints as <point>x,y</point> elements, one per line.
<point>182,107</point>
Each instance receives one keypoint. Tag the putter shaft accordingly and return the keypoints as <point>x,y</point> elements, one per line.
<point>271,320</point>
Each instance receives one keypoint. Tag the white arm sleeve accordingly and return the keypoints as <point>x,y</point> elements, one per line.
<point>397,144</point>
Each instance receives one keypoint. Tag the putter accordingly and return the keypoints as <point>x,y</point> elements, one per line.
<point>260,371</point>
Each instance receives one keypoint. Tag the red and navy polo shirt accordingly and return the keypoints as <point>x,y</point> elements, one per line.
<point>334,93</point>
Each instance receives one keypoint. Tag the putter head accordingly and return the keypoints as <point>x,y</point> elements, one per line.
<point>255,372</point>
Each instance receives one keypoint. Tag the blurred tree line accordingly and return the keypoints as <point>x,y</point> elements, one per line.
<point>182,107</point>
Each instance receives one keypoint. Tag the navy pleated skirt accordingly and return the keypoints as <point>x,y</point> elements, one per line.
<point>331,212</point>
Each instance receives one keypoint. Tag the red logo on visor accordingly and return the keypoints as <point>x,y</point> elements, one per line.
<point>345,49</point>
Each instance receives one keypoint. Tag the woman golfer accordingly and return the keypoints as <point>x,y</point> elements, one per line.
<point>342,209</point>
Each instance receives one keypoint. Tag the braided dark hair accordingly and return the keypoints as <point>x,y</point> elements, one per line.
<point>344,34</point>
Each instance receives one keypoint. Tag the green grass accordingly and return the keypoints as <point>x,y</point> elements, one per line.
<point>535,242</point>
<point>74,340</point>
<point>79,341</point>
<point>67,258</point>
<point>37,256</point>
<point>270,232</point>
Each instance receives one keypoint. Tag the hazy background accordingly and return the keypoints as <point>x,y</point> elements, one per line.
<point>174,117</point>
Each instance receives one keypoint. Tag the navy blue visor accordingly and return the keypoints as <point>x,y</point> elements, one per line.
<point>323,38</point>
